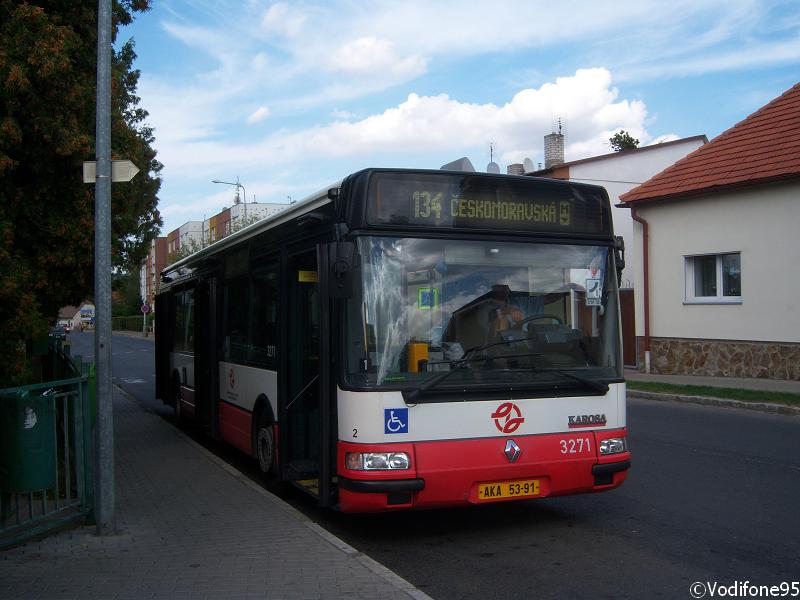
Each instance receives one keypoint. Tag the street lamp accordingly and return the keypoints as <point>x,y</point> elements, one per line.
<point>237,185</point>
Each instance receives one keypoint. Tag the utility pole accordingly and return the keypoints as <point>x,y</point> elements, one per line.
<point>104,432</point>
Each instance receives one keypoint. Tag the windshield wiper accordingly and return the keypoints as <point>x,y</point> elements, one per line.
<point>461,362</point>
<point>469,356</point>
<point>598,386</point>
<point>439,377</point>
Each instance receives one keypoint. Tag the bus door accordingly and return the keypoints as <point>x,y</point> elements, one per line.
<point>206,370</point>
<point>163,318</point>
<point>300,430</point>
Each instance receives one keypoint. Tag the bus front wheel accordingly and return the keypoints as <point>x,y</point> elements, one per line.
<point>265,446</point>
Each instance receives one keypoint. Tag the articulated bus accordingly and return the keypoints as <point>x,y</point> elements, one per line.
<point>409,339</point>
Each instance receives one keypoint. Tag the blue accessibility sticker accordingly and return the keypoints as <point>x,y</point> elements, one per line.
<point>395,420</point>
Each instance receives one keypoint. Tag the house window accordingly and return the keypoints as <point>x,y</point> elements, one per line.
<point>714,278</point>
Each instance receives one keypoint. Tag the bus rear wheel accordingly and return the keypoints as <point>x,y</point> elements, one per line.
<point>265,447</point>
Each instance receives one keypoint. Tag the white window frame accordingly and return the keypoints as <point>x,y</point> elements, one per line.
<point>688,266</point>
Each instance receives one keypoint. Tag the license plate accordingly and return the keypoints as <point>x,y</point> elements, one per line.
<point>508,489</point>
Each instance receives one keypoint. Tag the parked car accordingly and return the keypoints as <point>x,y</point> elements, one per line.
<point>58,333</point>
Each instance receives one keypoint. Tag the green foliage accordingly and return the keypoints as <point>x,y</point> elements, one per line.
<point>47,122</point>
<point>623,140</point>
<point>126,298</point>
<point>741,394</point>
<point>187,249</point>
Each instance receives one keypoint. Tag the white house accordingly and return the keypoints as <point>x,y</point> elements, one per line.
<point>620,172</point>
<point>717,238</point>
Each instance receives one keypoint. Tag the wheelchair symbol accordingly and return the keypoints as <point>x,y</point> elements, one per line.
<point>396,420</point>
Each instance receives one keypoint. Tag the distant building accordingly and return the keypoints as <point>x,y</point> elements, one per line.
<point>67,316</point>
<point>189,232</point>
<point>716,234</point>
<point>246,213</point>
<point>77,318</point>
<point>198,234</point>
<point>151,268</point>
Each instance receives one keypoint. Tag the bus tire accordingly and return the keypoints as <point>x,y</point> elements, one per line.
<point>265,445</point>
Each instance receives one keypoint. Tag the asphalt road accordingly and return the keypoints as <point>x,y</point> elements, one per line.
<point>132,365</point>
<point>713,496</point>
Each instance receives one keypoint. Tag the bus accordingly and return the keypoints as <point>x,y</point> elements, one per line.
<point>409,339</point>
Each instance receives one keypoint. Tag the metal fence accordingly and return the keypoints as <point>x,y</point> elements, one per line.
<point>46,452</point>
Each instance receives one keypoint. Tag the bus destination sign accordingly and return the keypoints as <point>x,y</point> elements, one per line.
<point>479,202</point>
<point>432,206</point>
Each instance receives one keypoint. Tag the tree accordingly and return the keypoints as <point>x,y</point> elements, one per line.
<point>126,297</point>
<point>188,248</point>
<point>623,141</point>
<point>47,122</point>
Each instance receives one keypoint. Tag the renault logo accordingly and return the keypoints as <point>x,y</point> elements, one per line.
<point>512,451</point>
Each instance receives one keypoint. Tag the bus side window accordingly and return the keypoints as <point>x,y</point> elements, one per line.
<point>263,349</point>
<point>237,297</point>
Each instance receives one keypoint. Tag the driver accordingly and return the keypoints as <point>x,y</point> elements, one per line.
<point>503,315</point>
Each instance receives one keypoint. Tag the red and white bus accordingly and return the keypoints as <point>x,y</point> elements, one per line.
<point>409,339</point>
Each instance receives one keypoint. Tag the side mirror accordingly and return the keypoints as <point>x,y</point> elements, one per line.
<point>343,261</point>
<point>619,257</point>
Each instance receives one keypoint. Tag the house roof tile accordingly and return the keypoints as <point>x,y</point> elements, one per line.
<point>763,147</point>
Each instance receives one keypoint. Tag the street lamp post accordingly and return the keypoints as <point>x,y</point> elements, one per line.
<point>237,185</point>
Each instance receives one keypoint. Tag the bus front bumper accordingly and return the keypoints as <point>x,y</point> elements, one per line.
<point>476,471</point>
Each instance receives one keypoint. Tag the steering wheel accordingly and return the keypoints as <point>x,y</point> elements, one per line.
<point>552,317</point>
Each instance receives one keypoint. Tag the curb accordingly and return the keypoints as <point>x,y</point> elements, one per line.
<point>765,407</point>
<point>371,564</point>
<point>134,334</point>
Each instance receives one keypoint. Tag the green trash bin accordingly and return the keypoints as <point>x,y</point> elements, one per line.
<point>27,444</point>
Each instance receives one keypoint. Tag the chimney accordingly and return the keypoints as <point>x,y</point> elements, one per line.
<point>553,150</point>
<point>515,169</point>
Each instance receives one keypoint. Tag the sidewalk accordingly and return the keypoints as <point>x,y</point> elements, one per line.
<point>191,526</point>
<point>766,385</point>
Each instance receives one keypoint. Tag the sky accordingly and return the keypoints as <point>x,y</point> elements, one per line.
<point>290,97</point>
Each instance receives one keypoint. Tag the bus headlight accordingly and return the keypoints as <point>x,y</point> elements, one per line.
<point>613,445</point>
<point>376,461</point>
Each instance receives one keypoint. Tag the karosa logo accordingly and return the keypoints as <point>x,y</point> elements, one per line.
<point>508,417</point>
<point>575,421</point>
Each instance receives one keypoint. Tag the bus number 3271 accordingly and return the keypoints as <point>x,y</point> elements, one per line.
<point>575,445</point>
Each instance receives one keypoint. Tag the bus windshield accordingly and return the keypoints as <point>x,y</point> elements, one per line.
<point>455,314</point>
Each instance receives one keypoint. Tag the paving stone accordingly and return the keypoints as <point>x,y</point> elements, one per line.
<point>189,528</point>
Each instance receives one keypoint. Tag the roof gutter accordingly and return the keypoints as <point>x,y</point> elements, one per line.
<point>646,291</point>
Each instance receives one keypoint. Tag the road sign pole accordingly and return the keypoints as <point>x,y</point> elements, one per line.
<point>104,432</point>
<point>145,310</point>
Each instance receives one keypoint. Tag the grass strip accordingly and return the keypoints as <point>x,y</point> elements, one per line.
<point>716,392</point>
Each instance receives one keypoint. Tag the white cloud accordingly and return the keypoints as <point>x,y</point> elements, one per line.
<point>261,113</point>
<point>371,56</point>
<point>260,62</point>
<point>749,56</point>
<point>282,19</point>
<point>342,115</point>
<point>586,102</point>
<point>311,53</point>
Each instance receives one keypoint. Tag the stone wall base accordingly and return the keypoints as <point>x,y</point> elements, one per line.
<point>723,358</point>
